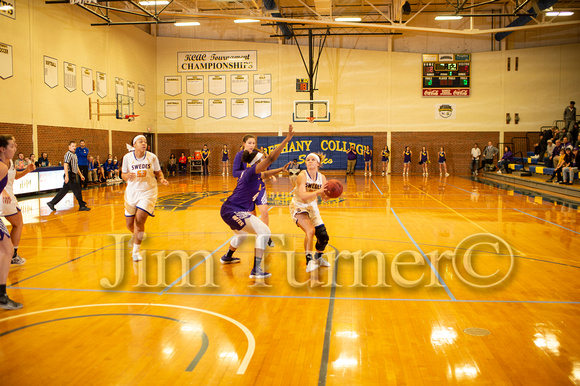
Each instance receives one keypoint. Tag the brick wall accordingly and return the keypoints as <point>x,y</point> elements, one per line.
<point>22,135</point>
<point>457,147</point>
<point>54,141</point>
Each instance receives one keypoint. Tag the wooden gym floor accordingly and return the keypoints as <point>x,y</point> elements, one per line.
<point>444,258</point>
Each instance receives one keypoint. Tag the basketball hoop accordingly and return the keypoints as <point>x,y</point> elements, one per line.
<point>310,119</point>
<point>131,117</point>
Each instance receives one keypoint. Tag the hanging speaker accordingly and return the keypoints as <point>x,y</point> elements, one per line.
<point>406,8</point>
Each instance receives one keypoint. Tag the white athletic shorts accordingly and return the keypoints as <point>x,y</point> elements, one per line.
<point>11,209</point>
<point>140,200</point>
<point>311,209</point>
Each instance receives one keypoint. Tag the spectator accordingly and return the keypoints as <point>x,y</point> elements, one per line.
<point>108,167</point>
<point>556,153</point>
<point>577,144</point>
<point>92,170</point>
<point>570,116</point>
<point>71,170</point>
<point>182,163</point>
<point>351,159</point>
<point>32,160</point>
<point>503,164</point>
<point>548,159</point>
<point>407,155</point>
<point>424,160</point>
<point>566,143</point>
<point>475,154</point>
<point>20,164</point>
<point>294,168</point>
<point>537,150</point>
<point>489,152</point>
<point>205,160</point>
<point>172,165</point>
<point>544,137</point>
<point>115,169</point>
<point>100,170</point>
<point>563,162</point>
<point>82,153</point>
<point>225,159</point>
<point>385,159</point>
<point>572,168</point>
<point>575,131</point>
<point>368,153</point>
<point>43,161</point>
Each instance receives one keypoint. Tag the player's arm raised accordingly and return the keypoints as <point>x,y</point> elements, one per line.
<point>263,166</point>
<point>270,173</point>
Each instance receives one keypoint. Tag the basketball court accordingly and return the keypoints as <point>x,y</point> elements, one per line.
<point>402,302</point>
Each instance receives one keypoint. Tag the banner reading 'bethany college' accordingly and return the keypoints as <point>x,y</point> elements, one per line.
<point>200,61</point>
<point>334,148</point>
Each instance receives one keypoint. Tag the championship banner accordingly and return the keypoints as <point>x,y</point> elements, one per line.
<point>334,148</point>
<point>203,61</point>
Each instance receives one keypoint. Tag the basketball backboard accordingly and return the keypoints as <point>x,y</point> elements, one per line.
<point>124,106</point>
<point>315,111</point>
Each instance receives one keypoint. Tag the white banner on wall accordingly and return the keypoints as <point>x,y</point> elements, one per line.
<point>87,80</point>
<point>195,108</point>
<point>262,83</point>
<point>101,84</point>
<point>217,108</point>
<point>217,84</point>
<point>262,107</point>
<point>141,94</point>
<point>200,61</point>
<point>70,76</point>
<point>240,84</point>
<point>8,9</point>
<point>240,108</point>
<point>172,85</point>
<point>194,84</point>
<point>50,71</point>
<point>172,108</point>
<point>119,86</point>
<point>131,89</point>
<point>445,111</point>
<point>6,67</point>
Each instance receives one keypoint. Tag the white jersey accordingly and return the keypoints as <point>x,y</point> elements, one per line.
<point>312,184</point>
<point>298,206</point>
<point>12,208</point>
<point>144,168</point>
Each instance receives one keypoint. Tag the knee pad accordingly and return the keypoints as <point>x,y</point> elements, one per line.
<point>321,238</point>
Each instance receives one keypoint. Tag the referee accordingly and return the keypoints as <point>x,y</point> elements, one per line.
<point>71,169</point>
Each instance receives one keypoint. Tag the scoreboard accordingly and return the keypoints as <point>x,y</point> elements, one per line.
<point>446,75</point>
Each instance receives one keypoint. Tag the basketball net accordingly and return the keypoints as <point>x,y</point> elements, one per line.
<point>310,119</point>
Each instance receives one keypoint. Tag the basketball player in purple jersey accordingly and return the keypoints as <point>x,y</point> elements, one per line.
<point>236,209</point>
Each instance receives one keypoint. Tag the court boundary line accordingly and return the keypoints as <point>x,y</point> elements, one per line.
<point>380,191</point>
<point>425,257</point>
<point>307,297</point>
<point>250,337</point>
<point>549,222</point>
<point>322,373</point>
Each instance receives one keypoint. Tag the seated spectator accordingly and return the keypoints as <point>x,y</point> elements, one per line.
<point>20,164</point>
<point>172,165</point>
<point>31,160</point>
<point>92,171</point>
<point>577,141</point>
<point>550,152</point>
<point>43,161</point>
<point>537,149</point>
<point>108,167</point>
<point>115,168</point>
<point>563,161</point>
<point>566,143</point>
<point>572,168</point>
<point>100,170</point>
<point>505,161</point>
<point>182,163</point>
<point>294,168</point>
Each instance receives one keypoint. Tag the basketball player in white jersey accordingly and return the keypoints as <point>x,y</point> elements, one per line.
<point>304,210</point>
<point>141,170</point>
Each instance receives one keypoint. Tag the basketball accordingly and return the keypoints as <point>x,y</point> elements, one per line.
<point>333,188</point>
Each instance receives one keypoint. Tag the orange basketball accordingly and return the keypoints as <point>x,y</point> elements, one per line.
<point>333,188</point>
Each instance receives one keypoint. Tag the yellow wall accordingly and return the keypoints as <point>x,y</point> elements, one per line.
<point>368,90</point>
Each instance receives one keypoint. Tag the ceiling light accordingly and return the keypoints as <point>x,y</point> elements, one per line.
<point>348,19</point>
<point>238,21</point>
<point>556,13</point>
<point>157,2</point>
<point>6,8</point>
<point>185,23</point>
<point>449,17</point>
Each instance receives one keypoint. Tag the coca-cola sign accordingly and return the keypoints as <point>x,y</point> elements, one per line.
<point>445,92</point>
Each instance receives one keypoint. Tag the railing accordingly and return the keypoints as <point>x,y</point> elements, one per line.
<point>521,159</point>
<point>521,144</point>
<point>559,123</point>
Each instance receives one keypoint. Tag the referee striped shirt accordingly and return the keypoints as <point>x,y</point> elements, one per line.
<point>71,159</point>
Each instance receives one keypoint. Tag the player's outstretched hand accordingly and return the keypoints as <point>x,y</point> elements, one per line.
<point>285,167</point>
<point>290,132</point>
<point>164,182</point>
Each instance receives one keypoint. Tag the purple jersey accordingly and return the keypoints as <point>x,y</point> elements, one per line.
<point>238,166</point>
<point>441,157</point>
<point>242,199</point>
